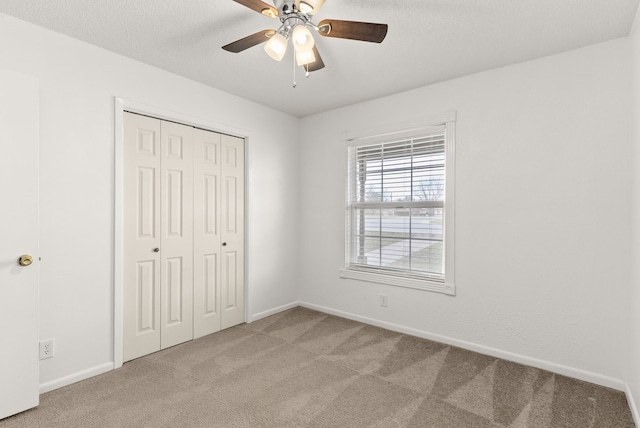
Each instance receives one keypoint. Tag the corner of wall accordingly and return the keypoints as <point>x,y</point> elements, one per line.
<point>273,311</point>
<point>633,384</point>
<point>632,405</point>
<point>635,27</point>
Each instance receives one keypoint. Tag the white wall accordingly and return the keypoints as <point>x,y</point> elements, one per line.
<point>542,213</point>
<point>634,360</point>
<point>78,85</point>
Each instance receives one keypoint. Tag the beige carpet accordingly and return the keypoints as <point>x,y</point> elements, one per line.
<point>303,368</point>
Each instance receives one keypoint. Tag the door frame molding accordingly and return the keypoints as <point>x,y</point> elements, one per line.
<point>120,106</point>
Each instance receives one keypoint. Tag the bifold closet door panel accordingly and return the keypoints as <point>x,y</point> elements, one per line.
<point>206,236</point>
<point>176,236</point>
<point>141,267</point>
<point>232,231</point>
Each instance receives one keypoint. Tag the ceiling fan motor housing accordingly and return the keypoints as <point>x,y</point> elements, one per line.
<point>286,7</point>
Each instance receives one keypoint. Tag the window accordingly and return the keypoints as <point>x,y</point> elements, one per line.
<point>400,208</point>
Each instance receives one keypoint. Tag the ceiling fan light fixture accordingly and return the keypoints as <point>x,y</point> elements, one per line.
<point>302,38</point>
<point>304,57</point>
<point>310,7</point>
<point>276,47</point>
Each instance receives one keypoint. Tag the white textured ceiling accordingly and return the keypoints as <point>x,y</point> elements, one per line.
<point>428,41</point>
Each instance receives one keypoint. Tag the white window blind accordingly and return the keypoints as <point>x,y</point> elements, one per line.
<point>396,205</point>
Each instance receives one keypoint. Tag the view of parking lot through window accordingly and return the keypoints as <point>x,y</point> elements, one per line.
<point>403,238</point>
<point>397,208</point>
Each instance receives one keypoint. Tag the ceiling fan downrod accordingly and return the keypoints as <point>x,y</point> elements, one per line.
<point>286,7</point>
<point>291,16</point>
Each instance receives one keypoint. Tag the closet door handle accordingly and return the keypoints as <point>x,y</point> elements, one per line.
<point>156,250</point>
<point>25,260</point>
<point>224,244</point>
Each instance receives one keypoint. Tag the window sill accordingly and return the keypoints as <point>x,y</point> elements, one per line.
<point>399,281</point>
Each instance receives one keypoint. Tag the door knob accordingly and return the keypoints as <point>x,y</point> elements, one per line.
<point>25,260</point>
<point>156,250</point>
<point>224,244</point>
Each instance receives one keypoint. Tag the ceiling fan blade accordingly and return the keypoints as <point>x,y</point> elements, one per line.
<point>364,31</point>
<point>260,7</point>
<point>249,41</point>
<point>317,64</point>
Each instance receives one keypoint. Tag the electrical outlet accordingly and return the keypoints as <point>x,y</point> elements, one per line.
<point>47,348</point>
<point>383,300</point>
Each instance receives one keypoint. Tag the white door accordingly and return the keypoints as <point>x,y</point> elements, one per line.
<point>232,231</point>
<point>218,232</point>
<point>158,235</point>
<point>206,237</point>
<point>19,133</point>
<point>141,236</point>
<point>183,233</point>
<point>176,234</point>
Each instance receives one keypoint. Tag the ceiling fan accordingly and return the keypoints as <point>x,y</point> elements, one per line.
<point>296,20</point>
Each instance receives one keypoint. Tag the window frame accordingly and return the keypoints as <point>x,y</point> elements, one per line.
<point>418,128</point>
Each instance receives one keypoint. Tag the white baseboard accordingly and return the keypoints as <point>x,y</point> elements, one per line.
<point>632,405</point>
<point>264,314</point>
<point>521,359</point>
<point>76,377</point>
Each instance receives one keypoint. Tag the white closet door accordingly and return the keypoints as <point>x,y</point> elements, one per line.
<point>184,234</point>
<point>141,236</point>
<point>232,231</point>
<point>206,236</point>
<point>176,240</point>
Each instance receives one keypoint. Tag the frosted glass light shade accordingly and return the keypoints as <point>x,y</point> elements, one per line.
<point>302,38</point>
<point>310,6</point>
<point>305,57</point>
<point>276,46</point>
